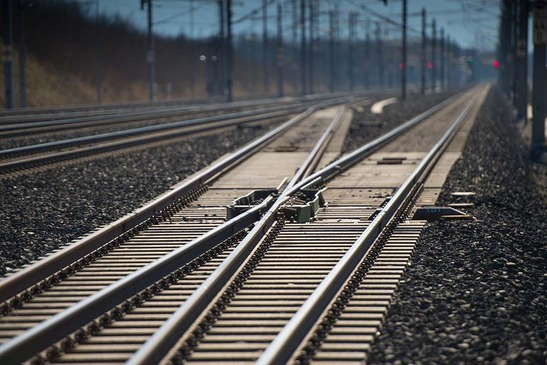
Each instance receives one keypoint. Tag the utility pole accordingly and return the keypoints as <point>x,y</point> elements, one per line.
<point>433,56</point>
<point>441,59</point>
<point>150,54</point>
<point>379,48</point>
<point>539,89</point>
<point>455,54</point>
<point>453,75</point>
<point>22,55</point>
<point>294,52</point>
<point>448,62</point>
<point>229,52</point>
<point>366,57</point>
<point>514,38</point>
<point>317,41</point>
<point>337,39</point>
<point>351,43</point>
<point>192,49</point>
<point>331,51</point>
<point>522,63</point>
<point>403,68</point>
<point>253,57</point>
<point>265,75</point>
<point>311,45</point>
<point>505,45</point>
<point>280,52</point>
<point>423,54</point>
<point>447,58</point>
<point>8,59</point>
<point>303,51</point>
<point>253,39</point>
<point>220,52</point>
<point>98,73</point>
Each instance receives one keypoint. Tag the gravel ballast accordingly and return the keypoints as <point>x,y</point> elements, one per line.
<point>49,208</point>
<point>476,292</point>
<point>39,138</point>
<point>46,209</point>
<point>367,126</point>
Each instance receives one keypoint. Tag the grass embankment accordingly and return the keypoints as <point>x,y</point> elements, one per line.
<point>47,86</point>
<point>62,62</point>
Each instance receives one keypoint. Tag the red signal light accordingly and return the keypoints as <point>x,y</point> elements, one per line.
<point>496,64</point>
<point>430,65</point>
<point>401,66</point>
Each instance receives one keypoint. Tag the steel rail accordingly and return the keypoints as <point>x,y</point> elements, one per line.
<point>179,324</point>
<point>38,271</point>
<point>37,120</point>
<point>13,152</point>
<point>18,129</point>
<point>25,120</point>
<point>346,161</point>
<point>62,324</point>
<point>136,105</point>
<point>313,158</point>
<point>76,108</point>
<point>80,109</point>
<point>31,342</point>
<point>46,114</point>
<point>40,160</point>
<point>284,346</point>
<point>184,317</point>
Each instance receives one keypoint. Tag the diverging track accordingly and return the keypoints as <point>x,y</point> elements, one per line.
<point>268,285</point>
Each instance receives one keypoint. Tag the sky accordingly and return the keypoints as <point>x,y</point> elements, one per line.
<point>471,23</point>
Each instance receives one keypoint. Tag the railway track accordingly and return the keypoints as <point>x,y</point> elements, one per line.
<point>45,113</point>
<point>151,115</point>
<point>36,114</point>
<point>267,286</point>
<point>189,188</point>
<point>16,159</point>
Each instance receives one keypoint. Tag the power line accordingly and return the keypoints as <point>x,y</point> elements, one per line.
<point>380,16</point>
<point>254,12</point>
<point>165,20</point>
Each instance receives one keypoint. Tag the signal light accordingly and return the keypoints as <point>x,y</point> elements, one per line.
<point>401,66</point>
<point>496,64</point>
<point>430,65</point>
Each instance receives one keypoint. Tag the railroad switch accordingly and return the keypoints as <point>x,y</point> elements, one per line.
<point>246,202</point>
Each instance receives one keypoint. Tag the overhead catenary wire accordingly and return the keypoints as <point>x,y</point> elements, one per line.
<point>381,17</point>
<point>182,13</point>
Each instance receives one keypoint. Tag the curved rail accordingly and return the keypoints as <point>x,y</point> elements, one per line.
<point>71,319</point>
<point>41,336</point>
<point>286,343</point>
<point>33,274</point>
<point>159,345</point>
